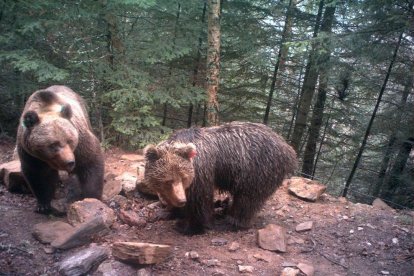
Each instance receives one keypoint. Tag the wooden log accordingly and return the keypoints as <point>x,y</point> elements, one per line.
<point>140,253</point>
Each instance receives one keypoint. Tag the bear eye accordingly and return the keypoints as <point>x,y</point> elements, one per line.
<point>54,146</point>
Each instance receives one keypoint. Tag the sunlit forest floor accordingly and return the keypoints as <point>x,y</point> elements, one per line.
<point>346,238</point>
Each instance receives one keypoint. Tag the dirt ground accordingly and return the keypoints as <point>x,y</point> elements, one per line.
<point>346,238</point>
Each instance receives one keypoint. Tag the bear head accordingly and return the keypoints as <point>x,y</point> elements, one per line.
<point>169,171</point>
<point>50,136</point>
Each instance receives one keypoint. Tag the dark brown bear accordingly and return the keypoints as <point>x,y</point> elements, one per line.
<point>247,160</point>
<point>55,134</point>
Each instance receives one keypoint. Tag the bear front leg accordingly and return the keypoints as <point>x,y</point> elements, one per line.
<point>90,172</point>
<point>42,180</point>
<point>243,209</point>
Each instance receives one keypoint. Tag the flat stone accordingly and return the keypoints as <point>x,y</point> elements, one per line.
<point>47,232</point>
<point>87,209</point>
<point>219,241</point>
<point>305,188</point>
<point>192,255</point>
<point>272,238</point>
<point>140,253</point>
<point>82,234</point>
<point>82,261</point>
<point>262,257</point>
<point>212,262</point>
<point>307,269</point>
<point>304,226</point>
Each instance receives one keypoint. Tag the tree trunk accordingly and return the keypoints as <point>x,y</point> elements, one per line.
<point>197,64</point>
<point>397,169</point>
<point>368,131</point>
<point>320,146</point>
<point>213,61</point>
<point>281,56</point>
<point>311,77</point>
<point>393,136</point>
<point>318,110</point>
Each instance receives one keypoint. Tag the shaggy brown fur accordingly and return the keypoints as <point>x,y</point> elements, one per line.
<point>247,160</point>
<point>55,134</point>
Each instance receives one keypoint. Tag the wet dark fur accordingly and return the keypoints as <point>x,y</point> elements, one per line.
<point>247,160</point>
<point>42,178</point>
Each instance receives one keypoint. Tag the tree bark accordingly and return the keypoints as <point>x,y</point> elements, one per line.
<point>197,65</point>
<point>311,77</point>
<point>213,61</point>
<point>318,110</point>
<point>368,130</point>
<point>393,136</point>
<point>281,56</point>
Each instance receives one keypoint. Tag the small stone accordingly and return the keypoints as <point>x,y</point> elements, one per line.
<point>143,272</point>
<point>49,250</point>
<point>360,228</point>
<point>218,273</point>
<point>82,261</point>
<point>234,246</point>
<point>246,269</point>
<point>262,257</point>
<point>351,231</point>
<point>288,264</point>
<point>219,241</point>
<point>47,232</point>
<point>345,217</point>
<point>395,241</point>
<point>131,218</point>
<point>304,226</point>
<point>89,208</point>
<point>307,269</point>
<point>290,271</point>
<point>212,262</point>
<point>128,182</point>
<point>272,238</point>
<point>239,262</point>
<point>384,272</point>
<point>192,255</point>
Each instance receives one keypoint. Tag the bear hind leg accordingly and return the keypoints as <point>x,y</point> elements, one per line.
<point>243,210</point>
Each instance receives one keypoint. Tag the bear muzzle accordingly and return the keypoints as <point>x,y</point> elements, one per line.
<point>70,165</point>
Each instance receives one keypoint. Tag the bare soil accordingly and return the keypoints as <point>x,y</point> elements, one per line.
<point>346,239</point>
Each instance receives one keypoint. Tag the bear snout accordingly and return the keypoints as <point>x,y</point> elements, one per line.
<point>181,202</point>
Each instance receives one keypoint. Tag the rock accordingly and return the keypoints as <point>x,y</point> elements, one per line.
<point>111,187</point>
<point>85,210</point>
<point>219,241</point>
<point>234,246</point>
<point>307,269</point>
<point>131,218</point>
<point>384,272</point>
<point>59,206</point>
<point>143,272</point>
<point>304,226</point>
<point>295,240</point>
<point>12,177</point>
<point>245,269</point>
<point>212,262</point>
<point>133,157</point>
<point>128,182</point>
<point>288,264</point>
<point>192,255</point>
<point>218,273</point>
<point>47,232</point>
<point>115,268</point>
<point>379,204</point>
<point>118,202</point>
<point>82,234</point>
<point>140,253</point>
<point>81,262</point>
<point>262,257</point>
<point>305,188</point>
<point>272,237</point>
<point>290,271</point>
<point>342,200</point>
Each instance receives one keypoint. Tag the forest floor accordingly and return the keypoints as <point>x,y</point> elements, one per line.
<point>346,238</point>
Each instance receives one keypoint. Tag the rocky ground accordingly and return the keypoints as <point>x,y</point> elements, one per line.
<point>342,238</point>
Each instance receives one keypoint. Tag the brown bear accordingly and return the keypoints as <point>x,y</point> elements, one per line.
<point>55,134</point>
<point>247,160</point>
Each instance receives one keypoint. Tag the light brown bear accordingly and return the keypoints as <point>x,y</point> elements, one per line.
<point>247,160</point>
<point>55,134</point>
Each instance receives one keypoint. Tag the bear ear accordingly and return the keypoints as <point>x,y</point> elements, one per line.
<point>187,151</point>
<point>151,153</point>
<point>66,111</point>
<point>30,119</point>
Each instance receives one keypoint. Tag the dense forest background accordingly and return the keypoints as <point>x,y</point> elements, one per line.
<point>335,78</point>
